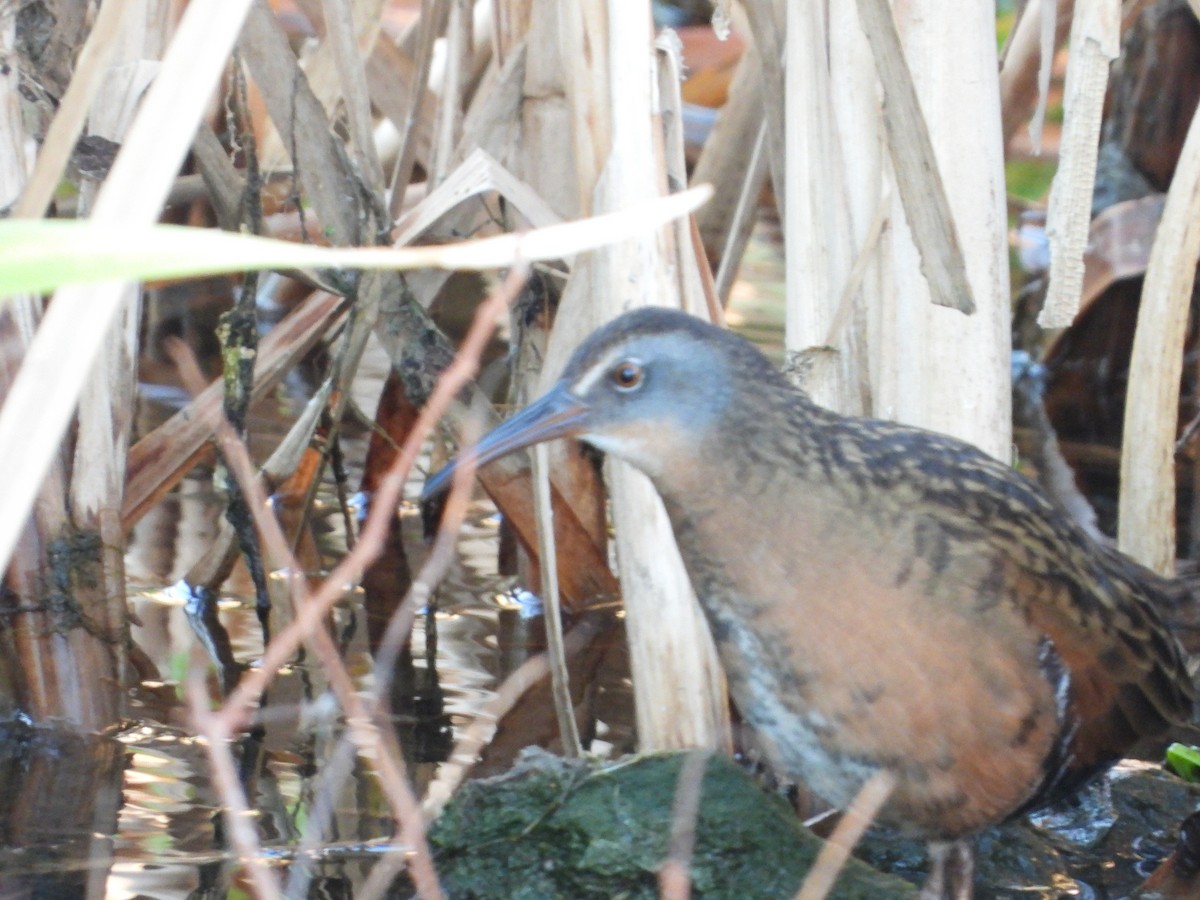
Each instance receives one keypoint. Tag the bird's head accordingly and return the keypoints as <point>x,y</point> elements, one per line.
<point>651,387</point>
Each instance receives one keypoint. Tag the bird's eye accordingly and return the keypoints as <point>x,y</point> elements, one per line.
<point>627,375</point>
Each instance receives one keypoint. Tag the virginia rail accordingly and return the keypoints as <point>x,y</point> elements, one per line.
<point>882,597</point>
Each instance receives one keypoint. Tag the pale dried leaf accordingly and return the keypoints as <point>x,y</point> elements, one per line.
<point>1095,38</point>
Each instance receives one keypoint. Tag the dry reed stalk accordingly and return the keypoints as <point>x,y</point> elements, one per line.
<point>951,372</point>
<point>856,288</point>
<point>1095,43</point>
<point>481,40</point>
<point>545,116</point>
<point>79,549</point>
<point>64,625</point>
<point>493,120</point>
<point>695,280</point>
<point>767,20</point>
<point>13,162</point>
<point>27,653</point>
<point>345,27</point>
<point>104,424</point>
<point>65,675</point>
<point>817,233</point>
<point>1146,529</point>
<point>606,48</point>
<point>512,24</point>
<point>923,192</point>
<point>73,109</point>
<point>45,391</point>
<point>737,178</point>
<point>583,48</point>
<point>321,166</point>
<point>222,182</point>
<point>104,420</point>
<point>858,167</point>
<point>345,43</point>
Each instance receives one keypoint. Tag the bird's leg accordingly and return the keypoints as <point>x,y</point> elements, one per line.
<point>951,871</point>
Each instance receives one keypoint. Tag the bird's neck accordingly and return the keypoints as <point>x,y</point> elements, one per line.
<point>782,438</point>
<point>781,482</point>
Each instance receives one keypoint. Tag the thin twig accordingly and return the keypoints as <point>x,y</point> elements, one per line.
<point>674,878</point>
<point>504,700</point>
<point>475,735</point>
<point>857,818</point>
<point>236,808</point>
<point>559,680</point>
<point>747,205</point>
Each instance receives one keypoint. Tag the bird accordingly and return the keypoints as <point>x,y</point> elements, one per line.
<point>883,598</point>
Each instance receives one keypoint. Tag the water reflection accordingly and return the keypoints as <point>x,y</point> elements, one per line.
<point>152,825</point>
<point>58,813</point>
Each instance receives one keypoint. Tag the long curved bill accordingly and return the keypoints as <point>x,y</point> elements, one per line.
<point>557,414</point>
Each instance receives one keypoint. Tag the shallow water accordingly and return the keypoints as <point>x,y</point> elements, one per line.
<point>137,813</point>
<point>153,827</point>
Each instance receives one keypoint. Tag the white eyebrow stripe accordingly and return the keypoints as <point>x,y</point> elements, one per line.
<point>599,369</point>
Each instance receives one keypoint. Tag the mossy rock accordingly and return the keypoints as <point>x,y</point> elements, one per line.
<point>553,828</point>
